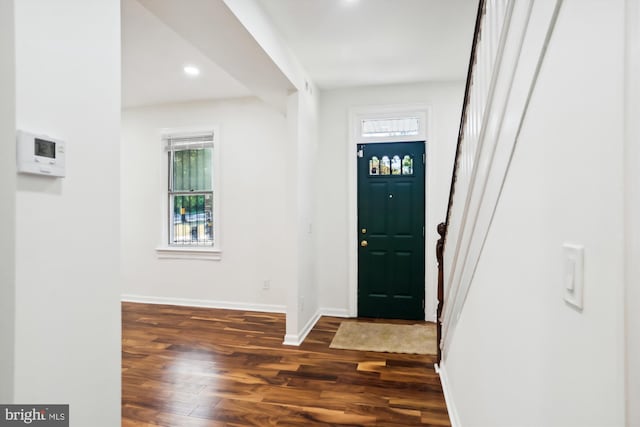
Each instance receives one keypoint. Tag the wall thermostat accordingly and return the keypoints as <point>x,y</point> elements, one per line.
<point>40,154</point>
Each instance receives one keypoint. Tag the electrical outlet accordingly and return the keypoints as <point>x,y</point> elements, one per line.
<point>266,285</point>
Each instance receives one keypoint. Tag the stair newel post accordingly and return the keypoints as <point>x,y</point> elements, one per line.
<point>439,253</point>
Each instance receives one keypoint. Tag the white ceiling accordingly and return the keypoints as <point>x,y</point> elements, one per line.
<point>153,58</point>
<point>363,42</point>
<point>339,42</point>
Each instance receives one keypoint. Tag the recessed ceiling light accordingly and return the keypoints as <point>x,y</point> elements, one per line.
<point>350,2</point>
<point>191,71</point>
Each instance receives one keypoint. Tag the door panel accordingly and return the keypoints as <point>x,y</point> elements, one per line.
<point>379,208</point>
<point>390,230</point>
<point>401,283</point>
<point>376,276</point>
<point>403,194</point>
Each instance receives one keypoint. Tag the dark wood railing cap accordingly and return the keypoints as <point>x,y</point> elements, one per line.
<point>443,227</point>
<point>465,103</point>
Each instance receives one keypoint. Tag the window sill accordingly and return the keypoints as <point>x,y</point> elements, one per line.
<point>174,252</point>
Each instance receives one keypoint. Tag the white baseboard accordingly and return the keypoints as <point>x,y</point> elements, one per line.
<point>334,312</point>
<point>451,407</point>
<point>289,339</point>
<point>297,339</point>
<point>292,339</point>
<point>188,302</point>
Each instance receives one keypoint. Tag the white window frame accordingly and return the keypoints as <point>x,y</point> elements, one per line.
<point>358,115</point>
<point>165,250</point>
<point>420,135</point>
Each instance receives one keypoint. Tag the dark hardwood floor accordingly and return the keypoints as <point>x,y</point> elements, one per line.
<point>184,367</point>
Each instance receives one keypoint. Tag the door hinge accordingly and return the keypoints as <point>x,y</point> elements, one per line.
<point>423,303</point>
<point>423,231</point>
<point>360,153</point>
<point>424,158</point>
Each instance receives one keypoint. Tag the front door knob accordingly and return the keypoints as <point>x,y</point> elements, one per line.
<point>364,244</point>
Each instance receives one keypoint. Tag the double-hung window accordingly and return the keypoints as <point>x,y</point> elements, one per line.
<point>191,203</point>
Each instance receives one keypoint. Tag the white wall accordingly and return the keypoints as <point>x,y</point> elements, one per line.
<point>307,168</point>
<point>217,32</point>
<point>257,22</point>
<point>632,211</point>
<point>289,233</point>
<point>67,330</point>
<point>302,118</point>
<point>331,211</point>
<point>302,299</point>
<point>253,138</point>
<point>8,197</point>
<point>520,355</point>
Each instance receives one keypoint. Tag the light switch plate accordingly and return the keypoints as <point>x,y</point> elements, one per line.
<point>573,279</point>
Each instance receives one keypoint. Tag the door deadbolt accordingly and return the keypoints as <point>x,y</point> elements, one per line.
<point>364,230</point>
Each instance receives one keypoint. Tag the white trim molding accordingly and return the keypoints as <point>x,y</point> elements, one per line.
<point>335,312</point>
<point>188,302</point>
<point>297,339</point>
<point>189,252</point>
<point>289,339</point>
<point>452,410</point>
<point>632,212</point>
<point>505,74</point>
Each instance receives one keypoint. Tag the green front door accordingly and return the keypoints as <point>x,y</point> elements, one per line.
<point>391,204</point>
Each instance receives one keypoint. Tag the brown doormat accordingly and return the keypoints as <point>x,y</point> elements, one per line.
<point>385,337</point>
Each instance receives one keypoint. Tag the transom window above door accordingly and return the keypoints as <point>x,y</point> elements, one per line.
<point>390,126</point>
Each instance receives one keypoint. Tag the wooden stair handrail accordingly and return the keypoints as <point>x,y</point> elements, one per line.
<point>444,227</point>
<point>439,256</point>
<point>467,90</point>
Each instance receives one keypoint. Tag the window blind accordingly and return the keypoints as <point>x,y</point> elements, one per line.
<point>406,126</point>
<point>188,141</point>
